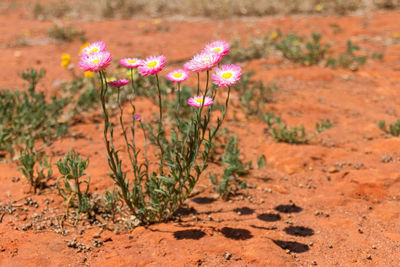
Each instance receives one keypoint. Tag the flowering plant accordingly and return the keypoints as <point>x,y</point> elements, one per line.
<point>158,190</point>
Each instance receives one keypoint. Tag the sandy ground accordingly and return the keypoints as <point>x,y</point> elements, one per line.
<point>329,203</point>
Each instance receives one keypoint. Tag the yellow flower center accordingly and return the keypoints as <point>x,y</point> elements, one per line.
<point>96,61</point>
<point>152,64</point>
<point>199,100</point>
<point>226,75</point>
<point>178,75</point>
<point>94,50</point>
<point>131,61</point>
<point>216,49</point>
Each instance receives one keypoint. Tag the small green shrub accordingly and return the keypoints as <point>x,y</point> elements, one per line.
<point>287,134</point>
<point>66,33</point>
<point>306,53</point>
<point>322,126</point>
<point>87,100</point>
<point>36,167</point>
<point>257,47</point>
<point>261,162</point>
<point>230,182</point>
<point>347,60</point>
<point>72,169</point>
<point>292,135</point>
<point>112,202</point>
<point>26,117</point>
<point>254,94</point>
<point>392,129</point>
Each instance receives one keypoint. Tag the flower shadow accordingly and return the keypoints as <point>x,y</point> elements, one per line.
<point>236,233</point>
<point>194,234</point>
<point>288,208</point>
<point>203,200</point>
<point>244,211</point>
<point>299,231</point>
<point>269,217</point>
<point>292,246</point>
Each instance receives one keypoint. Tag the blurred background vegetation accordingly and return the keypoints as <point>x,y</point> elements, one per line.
<point>78,9</point>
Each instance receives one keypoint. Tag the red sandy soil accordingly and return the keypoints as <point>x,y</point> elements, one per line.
<point>292,202</point>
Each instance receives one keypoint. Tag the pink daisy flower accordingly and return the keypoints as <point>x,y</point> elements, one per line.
<point>178,75</point>
<point>221,47</point>
<point>138,117</point>
<point>95,47</point>
<point>227,75</point>
<point>130,62</point>
<point>196,101</point>
<point>152,65</point>
<point>118,83</point>
<point>203,61</point>
<point>95,61</point>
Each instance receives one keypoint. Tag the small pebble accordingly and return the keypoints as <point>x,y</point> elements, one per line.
<point>373,247</point>
<point>314,263</point>
<point>330,246</point>
<point>360,230</point>
<point>369,257</point>
<point>311,244</point>
<point>227,255</point>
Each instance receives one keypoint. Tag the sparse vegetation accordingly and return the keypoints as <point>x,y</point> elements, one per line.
<point>65,33</point>
<point>26,117</point>
<point>73,176</point>
<point>349,59</point>
<point>36,167</point>
<point>231,179</point>
<point>257,47</point>
<point>307,53</point>
<point>291,134</point>
<point>206,8</point>
<point>392,129</point>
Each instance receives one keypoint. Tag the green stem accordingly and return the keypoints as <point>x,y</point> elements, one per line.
<point>132,83</point>
<point>179,104</point>
<point>123,127</point>
<point>198,83</point>
<point>159,101</point>
<point>145,145</point>
<point>78,190</point>
<point>204,97</point>
<point>107,128</point>
<point>160,128</point>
